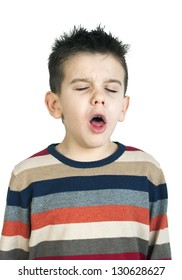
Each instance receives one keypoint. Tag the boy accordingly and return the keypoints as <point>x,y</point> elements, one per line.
<point>87,197</point>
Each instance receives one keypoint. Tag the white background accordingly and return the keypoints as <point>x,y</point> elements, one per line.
<point>153,122</point>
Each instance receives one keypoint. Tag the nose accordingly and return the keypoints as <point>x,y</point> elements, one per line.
<point>98,97</point>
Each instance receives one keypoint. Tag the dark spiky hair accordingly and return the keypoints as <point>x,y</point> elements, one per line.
<point>82,40</point>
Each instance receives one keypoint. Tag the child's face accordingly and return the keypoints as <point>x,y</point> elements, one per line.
<point>92,98</point>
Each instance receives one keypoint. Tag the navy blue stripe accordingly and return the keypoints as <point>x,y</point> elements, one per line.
<point>157,192</point>
<point>92,164</point>
<point>86,183</point>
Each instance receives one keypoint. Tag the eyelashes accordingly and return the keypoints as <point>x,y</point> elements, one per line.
<point>86,88</point>
<point>111,90</point>
<point>82,89</point>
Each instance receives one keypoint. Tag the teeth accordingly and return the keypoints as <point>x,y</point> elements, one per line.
<point>98,118</point>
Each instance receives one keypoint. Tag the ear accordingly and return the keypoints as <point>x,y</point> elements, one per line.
<point>124,108</point>
<point>53,104</point>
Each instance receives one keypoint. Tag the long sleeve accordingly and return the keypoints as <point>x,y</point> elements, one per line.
<point>59,211</point>
<point>14,240</point>
<point>159,245</point>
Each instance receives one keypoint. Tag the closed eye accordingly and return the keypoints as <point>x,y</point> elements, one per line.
<point>83,88</point>
<point>111,90</point>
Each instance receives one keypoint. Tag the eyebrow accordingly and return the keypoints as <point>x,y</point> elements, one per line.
<point>79,80</point>
<point>114,81</point>
<point>88,81</point>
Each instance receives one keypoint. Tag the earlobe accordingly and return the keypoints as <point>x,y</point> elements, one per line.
<point>124,109</point>
<point>53,104</point>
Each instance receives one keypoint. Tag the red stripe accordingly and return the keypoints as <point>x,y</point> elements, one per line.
<point>158,222</point>
<point>123,256</point>
<point>130,149</point>
<point>90,214</point>
<point>12,228</point>
<point>41,153</point>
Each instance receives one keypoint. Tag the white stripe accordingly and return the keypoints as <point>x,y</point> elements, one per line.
<point>130,156</point>
<point>46,160</point>
<point>89,231</point>
<point>34,162</point>
<point>159,237</point>
<point>13,242</point>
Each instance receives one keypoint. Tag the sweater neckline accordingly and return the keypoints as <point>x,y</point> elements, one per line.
<point>90,164</point>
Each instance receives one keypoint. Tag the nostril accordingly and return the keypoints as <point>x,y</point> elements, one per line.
<point>97,102</point>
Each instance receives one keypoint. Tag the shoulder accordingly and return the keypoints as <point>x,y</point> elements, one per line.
<point>141,163</point>
<point>39,159</point>
<point>133,154</point>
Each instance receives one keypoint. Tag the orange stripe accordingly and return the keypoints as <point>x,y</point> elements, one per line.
<point>12,228</point>
<point>90,214</point>
<point>158,222</point>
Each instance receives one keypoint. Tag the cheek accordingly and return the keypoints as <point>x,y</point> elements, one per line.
<point>115,110</point>
<point>72,114</point>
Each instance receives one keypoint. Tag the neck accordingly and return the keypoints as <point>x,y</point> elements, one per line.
<point>79,153</point>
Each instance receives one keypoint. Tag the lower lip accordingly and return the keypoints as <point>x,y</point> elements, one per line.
<point>97,128</point>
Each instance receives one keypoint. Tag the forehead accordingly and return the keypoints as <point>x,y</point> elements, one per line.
<point>85,64</point>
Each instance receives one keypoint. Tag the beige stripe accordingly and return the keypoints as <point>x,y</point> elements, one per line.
<point>26,177</point>
<point>159,237</point>
<point>13,242</point>
<point>89,231</point>
<point>35,162</point>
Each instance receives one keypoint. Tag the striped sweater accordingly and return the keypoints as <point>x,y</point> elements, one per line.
<point>114,208</point>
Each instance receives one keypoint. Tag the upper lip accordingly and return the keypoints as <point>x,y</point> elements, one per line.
<point>98,115</point>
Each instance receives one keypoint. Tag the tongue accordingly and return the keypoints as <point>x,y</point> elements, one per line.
<point>97,123</point>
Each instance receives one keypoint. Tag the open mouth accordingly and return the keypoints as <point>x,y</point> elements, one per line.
<point>98,121</point>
